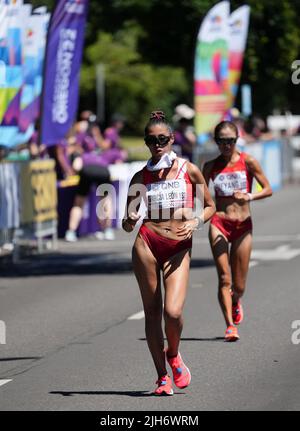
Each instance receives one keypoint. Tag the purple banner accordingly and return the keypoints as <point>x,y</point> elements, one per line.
<point>62,69</point>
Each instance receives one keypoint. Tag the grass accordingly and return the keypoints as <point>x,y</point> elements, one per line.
<point>136,148</point>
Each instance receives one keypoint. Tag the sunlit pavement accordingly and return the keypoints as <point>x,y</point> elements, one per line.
<point>74,329</point>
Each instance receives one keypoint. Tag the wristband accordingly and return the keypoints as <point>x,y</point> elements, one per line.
<point>251,197</point>
<point>199,223</point>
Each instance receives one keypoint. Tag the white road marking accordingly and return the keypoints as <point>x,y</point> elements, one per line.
<point>197,285</point>
<point>266,238</point>
<point>137,316</point>
<point>283,252</point>
<point>253,263</point>
<point>3,382</point>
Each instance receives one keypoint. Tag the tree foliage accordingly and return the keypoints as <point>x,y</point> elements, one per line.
<point>133,87</point>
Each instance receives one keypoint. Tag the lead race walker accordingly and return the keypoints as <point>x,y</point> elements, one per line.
<point>164,243</point>
<point>232,174</point>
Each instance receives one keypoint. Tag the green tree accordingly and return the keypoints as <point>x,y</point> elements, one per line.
<point>133,88</point>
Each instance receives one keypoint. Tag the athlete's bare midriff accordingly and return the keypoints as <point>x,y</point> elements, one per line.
<point>231,209</point>
<point>168,227</point>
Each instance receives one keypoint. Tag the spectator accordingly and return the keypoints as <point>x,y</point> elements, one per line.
<point>258,129</point>
<point>3,152</point>
<point>112,139</point>
<point>59,153</point>
<point>36,149</point>
<point>92,169</point>
<point>185,138</point>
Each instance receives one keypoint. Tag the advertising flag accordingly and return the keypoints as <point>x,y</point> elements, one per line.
<point>211,69</point>
<point>13,19</point>
<point>239,25</point>
<point>62,69</point>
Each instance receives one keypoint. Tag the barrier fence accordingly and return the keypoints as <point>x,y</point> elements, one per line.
<point>33,206</point>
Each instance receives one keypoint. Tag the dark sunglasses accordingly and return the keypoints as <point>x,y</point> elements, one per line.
<point>226,141</point>
<point>160,140</point>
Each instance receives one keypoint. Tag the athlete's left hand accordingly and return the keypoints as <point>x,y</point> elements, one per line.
<point>188,229</point>
<point>241,197</point>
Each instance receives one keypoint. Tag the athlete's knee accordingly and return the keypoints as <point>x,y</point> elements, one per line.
<point>239,288</point>
<point>173,313</point>
<point>224,281</point>
<point>153,313</point>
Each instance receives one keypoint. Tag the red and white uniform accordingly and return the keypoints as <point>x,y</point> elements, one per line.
<point>231,179</point>
<point>166,194</point>
<point>162,195</point>
<point>228,180</point>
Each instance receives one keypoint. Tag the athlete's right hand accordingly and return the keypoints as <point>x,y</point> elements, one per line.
<point>188,229</point>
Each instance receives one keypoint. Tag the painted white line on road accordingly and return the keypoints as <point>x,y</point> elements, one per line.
<point>197,285</point>
<point>3,382</point>
<point>253,263</point>
<point>137,316</point>
<point>271,238</point>
<point>283,252</point>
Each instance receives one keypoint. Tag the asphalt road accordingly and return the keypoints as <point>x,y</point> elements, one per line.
<point>70,344</point>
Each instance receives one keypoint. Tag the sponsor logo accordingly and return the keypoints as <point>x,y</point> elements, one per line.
<point>30,32</point>
<point>236,27</point>
<point>64,62</point>
<point>216,23</point>
<point>237,23</point>
<point>216,19</point>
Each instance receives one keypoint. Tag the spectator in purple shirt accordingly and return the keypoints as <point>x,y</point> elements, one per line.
<point>112,137</point>
<point>185,139</point>
<point>92,167</point>
<point>59,153</point>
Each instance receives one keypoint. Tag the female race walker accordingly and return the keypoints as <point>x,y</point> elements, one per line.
<point>232,174</point>
<point>164,242</point>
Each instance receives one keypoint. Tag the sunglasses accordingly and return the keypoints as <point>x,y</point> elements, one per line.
<point>160,140</point>
<point>226,141</point>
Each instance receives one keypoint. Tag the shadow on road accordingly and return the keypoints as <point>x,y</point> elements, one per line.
<point>126,393</point>
<point>195,339</point>
<point>76,263</point>
<point>203,339</point>
<point>25,358</point>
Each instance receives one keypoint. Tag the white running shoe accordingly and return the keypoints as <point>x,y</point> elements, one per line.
<point>99,235</point>
<point>109,234</point>
<point>71,236</point>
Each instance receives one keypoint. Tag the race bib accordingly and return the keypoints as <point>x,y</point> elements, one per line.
<point>167,194</point>
<point>229,182</point>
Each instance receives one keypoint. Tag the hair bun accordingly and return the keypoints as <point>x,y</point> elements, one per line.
<point>157,115</point>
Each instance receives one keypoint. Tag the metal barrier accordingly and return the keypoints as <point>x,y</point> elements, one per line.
<point>28,201</point>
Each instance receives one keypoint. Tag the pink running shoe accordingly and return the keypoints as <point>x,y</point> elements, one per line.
<point>237,313</point>
<point>231,334</point>
<point>181,374</point>
<point>164,386</point>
